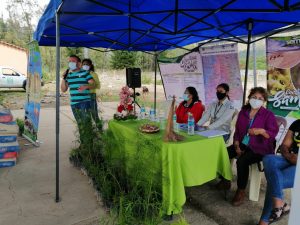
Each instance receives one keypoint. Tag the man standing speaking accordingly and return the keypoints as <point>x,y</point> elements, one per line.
<point>79,82</point>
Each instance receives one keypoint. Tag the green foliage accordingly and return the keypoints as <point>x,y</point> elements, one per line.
<point>20,124</point>
<point>74,51</point>
<point>147,79</point>
<point>260,63</point>
<point>2,97</point>
<point>101,60</point>
<point>145,61</point>
<point>133,194</point>
<point>123,59</point>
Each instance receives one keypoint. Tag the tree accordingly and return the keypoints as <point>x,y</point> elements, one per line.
<point>21,15</point>
<point>123,59</point>
<point>101,60</point>
<point>145,61</point>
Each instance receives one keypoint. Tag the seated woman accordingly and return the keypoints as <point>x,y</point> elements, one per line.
<point>190,104</point>
<point>254,137</point>
<point>280,174</point>
<point>220,112</point>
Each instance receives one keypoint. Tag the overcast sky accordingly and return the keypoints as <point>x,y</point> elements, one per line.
<point>3,4</point>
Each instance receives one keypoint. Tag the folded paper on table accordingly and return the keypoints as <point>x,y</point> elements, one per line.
<point>211,133</point>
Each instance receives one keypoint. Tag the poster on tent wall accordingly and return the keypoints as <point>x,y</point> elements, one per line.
<point>283,60</point>
<point>221,65</point>
<point>181,72</point>
<point>33,92</point>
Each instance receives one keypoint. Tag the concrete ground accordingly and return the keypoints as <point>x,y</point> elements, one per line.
<point>27,190</point>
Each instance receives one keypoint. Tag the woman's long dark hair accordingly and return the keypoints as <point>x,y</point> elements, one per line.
<point>253,91</point>
<point>89,61</point>
<point>192,91</point>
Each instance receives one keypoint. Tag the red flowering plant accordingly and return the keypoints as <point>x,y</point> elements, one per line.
<point>125,108</point>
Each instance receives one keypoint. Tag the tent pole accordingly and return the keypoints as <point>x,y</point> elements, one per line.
<point>57,198</point>
<point>254,64</point>
<point>155,79</point>
<point>250,26</point>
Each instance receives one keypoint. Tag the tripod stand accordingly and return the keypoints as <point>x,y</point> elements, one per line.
<point>134,101</point>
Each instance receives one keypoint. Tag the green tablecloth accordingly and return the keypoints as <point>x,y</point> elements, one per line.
<point>192,162</point>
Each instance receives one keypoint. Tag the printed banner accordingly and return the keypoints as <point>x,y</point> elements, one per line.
<point>180,73</point>
<point>283,59</point>
<point>33,91</point>
<point>221,65</point>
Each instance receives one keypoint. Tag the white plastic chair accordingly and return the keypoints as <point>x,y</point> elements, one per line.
<point>255,172</point>
<point>233,122</point>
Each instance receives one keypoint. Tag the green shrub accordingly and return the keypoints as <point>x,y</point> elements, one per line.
<point>134,197</point>
<point>20,124</point>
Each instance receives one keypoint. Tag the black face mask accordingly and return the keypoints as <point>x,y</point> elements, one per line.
<point>220,95</point>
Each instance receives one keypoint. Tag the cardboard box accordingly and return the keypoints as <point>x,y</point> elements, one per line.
<point>8,138</point>
<point>9,147</point>
<point>8,162</point>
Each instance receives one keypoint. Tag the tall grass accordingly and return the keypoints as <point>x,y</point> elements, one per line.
<point>147,79</point>
<point>131,191</point>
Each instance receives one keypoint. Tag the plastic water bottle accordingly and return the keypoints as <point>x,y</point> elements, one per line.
<point>191,124</point>
<point>152,114</point>
<point>143,113</point>
<point>162,122</point>
<point>175,124</point>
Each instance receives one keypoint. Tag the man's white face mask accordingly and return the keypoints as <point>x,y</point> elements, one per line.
<point>72,65</point>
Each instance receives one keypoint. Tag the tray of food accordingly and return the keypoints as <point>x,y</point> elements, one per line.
<point>149,128</point>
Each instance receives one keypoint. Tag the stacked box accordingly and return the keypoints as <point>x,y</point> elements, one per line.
<point>9,146</point>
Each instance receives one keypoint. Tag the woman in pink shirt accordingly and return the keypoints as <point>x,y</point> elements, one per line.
<point>254,137</point>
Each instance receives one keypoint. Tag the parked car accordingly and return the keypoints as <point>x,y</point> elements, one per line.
<point>11,78</point>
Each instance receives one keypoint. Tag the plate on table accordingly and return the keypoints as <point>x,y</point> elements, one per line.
<point>149,128</point>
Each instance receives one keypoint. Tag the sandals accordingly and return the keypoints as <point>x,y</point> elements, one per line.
<point>278,213</point>
<point>286,208</point>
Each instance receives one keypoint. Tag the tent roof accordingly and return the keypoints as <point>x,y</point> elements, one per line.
<point>152,25</point>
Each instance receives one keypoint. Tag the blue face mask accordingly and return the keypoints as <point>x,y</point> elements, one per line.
<point>72,65</point>
<point>185,97</point>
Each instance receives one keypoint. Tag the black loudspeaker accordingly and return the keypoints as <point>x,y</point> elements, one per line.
<point>133,77</point>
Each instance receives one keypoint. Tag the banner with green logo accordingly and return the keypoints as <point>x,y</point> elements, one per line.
<point>283,60</point>
<point>33,92</point>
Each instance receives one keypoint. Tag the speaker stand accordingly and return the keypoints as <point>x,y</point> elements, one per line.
<point>134,101</point>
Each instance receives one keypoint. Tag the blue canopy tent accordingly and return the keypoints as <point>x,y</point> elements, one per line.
<point>157,25</point>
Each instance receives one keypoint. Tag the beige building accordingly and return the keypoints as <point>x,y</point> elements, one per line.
<point>13,56</point>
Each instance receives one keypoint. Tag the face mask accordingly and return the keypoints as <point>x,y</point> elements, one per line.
<point>72,65</point>
<point>185,97</point>
<point>256,103</point>
<point>86,67</point>
<point>220,95</point>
